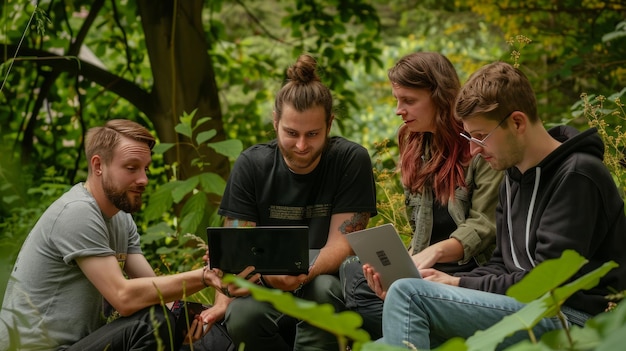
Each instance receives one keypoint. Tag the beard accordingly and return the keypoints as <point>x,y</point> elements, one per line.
<point>128,203</point>
<point>296,162</point>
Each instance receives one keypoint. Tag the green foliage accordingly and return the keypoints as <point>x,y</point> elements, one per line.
<point>251,45</point>
<point>250,67</point>
<point>389,193</point>
<point>608,116</point>
<point>577,46</point>
<point>541,290</point>
<point>345,325</point>
<point>196,196</point>
<point>547,305</point>
<point>552,274</point>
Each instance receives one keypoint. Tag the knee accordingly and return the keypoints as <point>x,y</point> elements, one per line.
<point>351,269</point>
<point>243,312</point>
<point>324,288</point>
<point>157,321</point>
<point>404,287</point>
<point>155,315</point>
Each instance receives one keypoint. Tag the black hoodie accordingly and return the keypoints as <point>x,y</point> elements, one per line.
<point>568,201</point>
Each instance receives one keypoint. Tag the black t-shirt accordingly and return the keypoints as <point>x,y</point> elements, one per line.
<point>262,189</point>
<point>443,226</point>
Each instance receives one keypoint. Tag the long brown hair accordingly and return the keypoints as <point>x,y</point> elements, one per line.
<point>448,154</point>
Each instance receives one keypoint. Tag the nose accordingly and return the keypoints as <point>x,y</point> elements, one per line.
<point>143,178</point>
<point>400,111</point>
<point>475,149</point>
<point>301,143</point>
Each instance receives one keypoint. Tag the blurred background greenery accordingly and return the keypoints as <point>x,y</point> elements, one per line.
<point>202,73</point>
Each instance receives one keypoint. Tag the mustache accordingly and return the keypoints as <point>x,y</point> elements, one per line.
<point>139,189</point>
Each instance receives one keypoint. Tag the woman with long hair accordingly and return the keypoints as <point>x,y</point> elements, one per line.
<point>450,196</point>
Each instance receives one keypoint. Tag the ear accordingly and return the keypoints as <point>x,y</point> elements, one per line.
<point>330,124</point>
<point>275,121</point>
<point>96,164</point>
<point>519,122</point>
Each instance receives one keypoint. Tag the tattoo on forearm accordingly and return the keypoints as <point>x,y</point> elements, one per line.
<point>232,222</point>
<point>357,222</point>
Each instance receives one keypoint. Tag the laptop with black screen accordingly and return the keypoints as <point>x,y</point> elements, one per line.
<point>270,249</point>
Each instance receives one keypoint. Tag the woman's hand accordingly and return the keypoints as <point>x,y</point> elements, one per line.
<point>427,257</point>
<point>434,275</point>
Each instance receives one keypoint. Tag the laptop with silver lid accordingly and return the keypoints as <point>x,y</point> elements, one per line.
<point>382,248</point>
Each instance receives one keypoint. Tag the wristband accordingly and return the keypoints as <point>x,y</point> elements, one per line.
<point>203,280</point>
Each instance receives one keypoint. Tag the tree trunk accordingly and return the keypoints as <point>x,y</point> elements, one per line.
<point>184,79</point>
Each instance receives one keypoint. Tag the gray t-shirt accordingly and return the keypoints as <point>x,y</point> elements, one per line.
<point>49,302</point>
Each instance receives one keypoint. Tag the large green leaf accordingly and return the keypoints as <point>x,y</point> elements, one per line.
<point>205,136</point>
<point>185,126</point>
<point>552,274</point>
<point>343,324</point>
<point>614,341</point>
<point>162,148</point>
<point>546,306</point>
<point>184,129</point>
<point>200,121</point>
<point>184,187</point>
<point>212,183</point>
<point>230,148</point>
<point>454,344</point>
<point>160,201</point>
<point>610,324</point>
<point>156,232</point>
<point>582,338</point>
<point>375,346</point>
<point>193,212</point>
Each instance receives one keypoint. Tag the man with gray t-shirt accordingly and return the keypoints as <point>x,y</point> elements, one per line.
<point>76,262</point>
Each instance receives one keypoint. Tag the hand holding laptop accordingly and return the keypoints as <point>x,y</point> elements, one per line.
<point>286,282</point>
<point>282,250</point>
<point>382,248</point>
<point>374,281</point>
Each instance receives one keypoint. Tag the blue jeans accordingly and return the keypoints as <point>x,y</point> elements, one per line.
<point>426,314</point>
<point>261,327</point>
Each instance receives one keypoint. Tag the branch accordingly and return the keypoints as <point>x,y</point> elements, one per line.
<point>258,22</point>
<point>73,65</point>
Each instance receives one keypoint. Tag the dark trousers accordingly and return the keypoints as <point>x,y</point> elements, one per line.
<point>144,330</point>
<point>360,298</point>
<point>261,327</point>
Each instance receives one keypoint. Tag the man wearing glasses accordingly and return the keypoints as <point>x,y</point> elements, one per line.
<point>556,195</point>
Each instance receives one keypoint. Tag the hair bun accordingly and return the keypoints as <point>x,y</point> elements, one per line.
<point>303,71</point>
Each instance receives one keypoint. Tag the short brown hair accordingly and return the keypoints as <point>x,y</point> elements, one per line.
<point>103,140</point>
<point>494,91</point>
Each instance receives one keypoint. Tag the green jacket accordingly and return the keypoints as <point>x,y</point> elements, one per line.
<point>473,210</point>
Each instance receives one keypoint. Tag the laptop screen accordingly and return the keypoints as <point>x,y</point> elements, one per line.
<point>271,250</point>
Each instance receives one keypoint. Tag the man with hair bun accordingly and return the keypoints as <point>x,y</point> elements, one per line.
<point>303,177</point>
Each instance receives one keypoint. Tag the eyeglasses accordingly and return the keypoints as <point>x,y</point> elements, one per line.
<point>480,142</point>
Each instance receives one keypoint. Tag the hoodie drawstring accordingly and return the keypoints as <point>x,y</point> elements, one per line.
<point>528,219</point>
